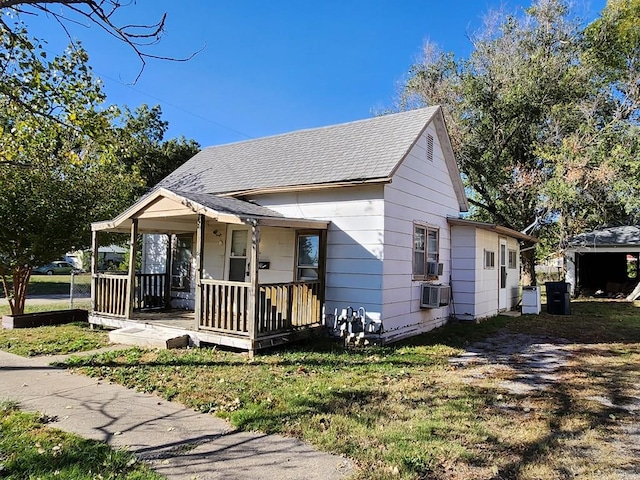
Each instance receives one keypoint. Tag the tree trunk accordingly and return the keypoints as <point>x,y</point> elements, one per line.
<point>17,295</point>
<point>528,259</point>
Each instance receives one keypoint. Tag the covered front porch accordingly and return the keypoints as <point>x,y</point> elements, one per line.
<point>227,271</point>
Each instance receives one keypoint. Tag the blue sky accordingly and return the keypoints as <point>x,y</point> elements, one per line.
<point>268,67</point>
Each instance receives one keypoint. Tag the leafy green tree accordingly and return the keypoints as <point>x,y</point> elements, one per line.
<point>613,43</point>
<point>54,171</point>
<point>597,150</point>
<point>533,124</point>
<point>142,148</point>
<point>63,158</point>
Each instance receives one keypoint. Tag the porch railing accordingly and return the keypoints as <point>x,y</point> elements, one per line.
<point>281,306</point>
<point>225,306</point>
<point>286,306</point>
<point>150,290</point>
<point>110,294</point>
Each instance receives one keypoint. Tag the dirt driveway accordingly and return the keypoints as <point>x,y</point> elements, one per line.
<point>575,406</point>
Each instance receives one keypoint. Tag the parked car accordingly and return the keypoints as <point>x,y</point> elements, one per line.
<point>57,267</point>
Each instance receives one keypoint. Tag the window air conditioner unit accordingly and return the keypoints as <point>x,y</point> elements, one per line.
<point>434,296</point>
<point>434,269</point>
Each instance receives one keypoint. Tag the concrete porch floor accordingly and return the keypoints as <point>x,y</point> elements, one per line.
<point>180,319</point>
<point>182,322</point>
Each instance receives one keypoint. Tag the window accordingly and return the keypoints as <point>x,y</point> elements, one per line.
<point>489,259</point>
<point>513,259</point>
<point>181,267</point>
<point>425,249</point>
<point>429,147</point>
<point>238,255</point>
<point>308,253</point>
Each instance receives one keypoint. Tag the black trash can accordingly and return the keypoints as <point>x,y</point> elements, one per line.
<point>558,298</point>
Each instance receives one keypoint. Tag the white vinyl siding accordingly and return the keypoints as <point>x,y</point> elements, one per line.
<point>354,241</point>
<point>154,253</point>
<point>420,193</point>
<point>475,286</point>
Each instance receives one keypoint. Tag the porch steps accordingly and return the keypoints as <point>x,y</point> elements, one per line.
<point>149,337</point>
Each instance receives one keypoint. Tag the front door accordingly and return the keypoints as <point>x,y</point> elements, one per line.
<point>237,249</point>
<point>502,293</point>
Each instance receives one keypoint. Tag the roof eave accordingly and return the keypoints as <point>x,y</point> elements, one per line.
<point>302,188</point>
<point>494,227</point>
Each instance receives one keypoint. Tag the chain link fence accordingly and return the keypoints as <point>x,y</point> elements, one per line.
<point>79,289</point>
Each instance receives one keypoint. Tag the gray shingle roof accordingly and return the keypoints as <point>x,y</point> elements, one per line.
<point>614,236</point>
<point>229,205</point>
<point>363,150</point>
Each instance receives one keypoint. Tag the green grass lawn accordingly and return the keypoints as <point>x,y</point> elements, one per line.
<point>405,411</point>
<point>47,307</point>
<point>55,284</point>
<point>59,339</point>
<point>29,449</point>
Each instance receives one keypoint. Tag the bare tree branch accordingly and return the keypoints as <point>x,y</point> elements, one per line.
<point>100,13</point>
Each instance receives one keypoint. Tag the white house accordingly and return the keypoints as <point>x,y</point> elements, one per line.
<point>485,274</point>
<point>279,234</point>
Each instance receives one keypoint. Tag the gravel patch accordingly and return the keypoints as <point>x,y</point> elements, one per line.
<point>535,364</point>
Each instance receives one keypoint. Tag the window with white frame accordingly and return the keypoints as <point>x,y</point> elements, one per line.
<point>489,259</point>
<point>426,244</point>
<point>513,259</point>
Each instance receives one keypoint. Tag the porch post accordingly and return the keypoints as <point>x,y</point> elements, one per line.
<point>322,270</point>
<point>254,289</point>
<point>199,264</point>
<point>167,271</point>
<point>94,268</point>
<point>131,290</point>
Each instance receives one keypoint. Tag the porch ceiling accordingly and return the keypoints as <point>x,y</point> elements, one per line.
<point>164,210</point>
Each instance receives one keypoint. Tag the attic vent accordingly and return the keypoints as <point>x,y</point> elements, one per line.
<point>429,147</point>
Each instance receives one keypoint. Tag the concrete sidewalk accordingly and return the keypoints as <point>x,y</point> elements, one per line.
<point>177,442</point>
<point>53,298</point>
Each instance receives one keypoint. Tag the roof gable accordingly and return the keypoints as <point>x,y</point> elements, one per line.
<point>163,203</point>
<point>365,150</point>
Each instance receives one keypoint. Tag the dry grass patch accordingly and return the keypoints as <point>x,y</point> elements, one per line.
<point>415,411</point>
